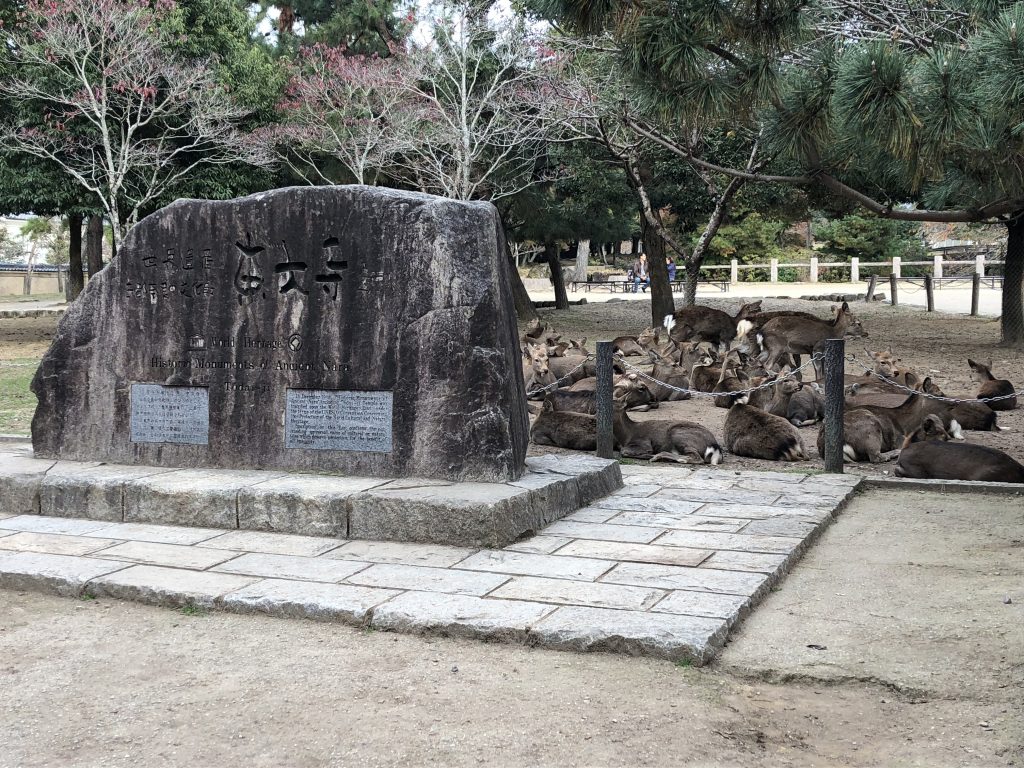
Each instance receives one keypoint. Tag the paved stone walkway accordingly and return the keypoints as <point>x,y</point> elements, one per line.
<point>664,567</point>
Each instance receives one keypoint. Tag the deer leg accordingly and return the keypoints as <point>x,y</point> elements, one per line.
<point>887,456</point>
<point>638,449</point>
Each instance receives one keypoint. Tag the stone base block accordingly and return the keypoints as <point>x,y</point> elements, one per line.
<point>416,510</point>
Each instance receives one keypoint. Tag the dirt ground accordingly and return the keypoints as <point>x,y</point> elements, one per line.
<point>917,663</point>
<point>932,344</point>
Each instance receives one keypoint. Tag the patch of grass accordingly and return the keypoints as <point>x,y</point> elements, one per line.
<point>87,596</point>
<point>685,663</point>
<point>628,461</point>
<point>17,403</point>
<point>191,609</point>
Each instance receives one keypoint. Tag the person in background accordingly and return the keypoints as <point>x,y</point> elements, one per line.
<point>671,266</point>
<point>641,276</point>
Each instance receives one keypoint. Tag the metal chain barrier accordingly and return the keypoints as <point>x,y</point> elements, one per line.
<point>942,398</point>
<point>698,393</point>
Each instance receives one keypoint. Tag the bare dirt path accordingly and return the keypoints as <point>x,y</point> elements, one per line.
<point>909,601</point>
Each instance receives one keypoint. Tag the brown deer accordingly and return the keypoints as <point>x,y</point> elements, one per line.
<point>564,429</point>
<point>668,371</point>
<point>536,370</point>
<point>663,439</point>
<point>806,406</point>
<point>992,387</point>
<point>866,438</point>
<point>733,378</point>
<point>704,374</point>
<point>977,417</point>
<point>627,346</point>
<point>707,324</point>
<point>786,337</point>
<point>907,416</point>
<point>653,340</point>
<point>630,389</point>
<point>749,431</point>
<point>927,456</point>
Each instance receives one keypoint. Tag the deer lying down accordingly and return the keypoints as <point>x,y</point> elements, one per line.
<point>992,387</point>
<point>633,392</point>
<point>536,371</point>
<point>976,417</point>
<point>628,346</point>
<point>866,438</point>
<point>665,440</point>
<point>751,432</point>
<point>806,406</point>
<point>936,459</point>
<point>564,429</point>
<point>666,370</point>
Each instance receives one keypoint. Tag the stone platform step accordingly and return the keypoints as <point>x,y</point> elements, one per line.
<point>410,509</point>
<point>666,566</point>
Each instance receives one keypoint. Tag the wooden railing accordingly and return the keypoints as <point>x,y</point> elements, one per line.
<point>814,267</point>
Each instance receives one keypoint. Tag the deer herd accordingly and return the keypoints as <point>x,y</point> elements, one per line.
<point>764,367</point>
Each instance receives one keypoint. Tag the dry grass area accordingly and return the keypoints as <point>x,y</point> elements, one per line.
<point>932,344</point>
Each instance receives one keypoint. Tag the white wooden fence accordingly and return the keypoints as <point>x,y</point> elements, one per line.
<point>854,265</point>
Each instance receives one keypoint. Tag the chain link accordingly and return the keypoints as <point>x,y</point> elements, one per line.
<point>698,393</point>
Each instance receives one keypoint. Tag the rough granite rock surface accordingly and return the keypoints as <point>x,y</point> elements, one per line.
<point>358,289</point>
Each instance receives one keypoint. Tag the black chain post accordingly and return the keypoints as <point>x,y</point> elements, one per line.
<point>892,290</point>
<point>929,292</point>
<point>605,412</point>
<point>835,353</point>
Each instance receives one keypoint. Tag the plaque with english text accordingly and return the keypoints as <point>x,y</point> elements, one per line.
<point>162,414</point>
<point>337,420</point>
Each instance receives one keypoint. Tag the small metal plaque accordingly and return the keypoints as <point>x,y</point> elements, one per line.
<point>335,420</point>
<point>162,414</point>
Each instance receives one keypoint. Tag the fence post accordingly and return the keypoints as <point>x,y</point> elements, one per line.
<point>605,406</point>
<point>814,269</point>
<point>835,353</point>
<point>774,270</point>
<point>893,282</point>
<point>855,269</point>
<point>979,264</point>
<point>937,268</point>
<point>734,271</point>
<point>929,292</point>
<point>896,265</point>
<point>870,295</point>
<point>975,293</point>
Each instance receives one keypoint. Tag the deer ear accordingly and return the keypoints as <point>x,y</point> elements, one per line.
<point>888,349</point>
<point>548,405</point>
<point>845,307</point>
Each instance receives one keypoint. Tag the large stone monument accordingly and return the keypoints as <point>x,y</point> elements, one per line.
<point>356,330</point>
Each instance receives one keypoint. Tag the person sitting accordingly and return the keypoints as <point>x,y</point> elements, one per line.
<point>641,277</point>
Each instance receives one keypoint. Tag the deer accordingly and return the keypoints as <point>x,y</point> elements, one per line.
<point>751,432</point>
<point>977,417</point>
<point>564,429</point>
<point>630,389</point>
<point>733,378</point>
<point>785,389</point>
<point>707,324</point>
<point>927,456</point>
<point>866,437</point>
<point>915,408</point>
<point>806,406</point>
<point>683,442</point>
<point>784,337</point>
<point>704,374</point>
<point>536,370</point>
<point>627,346</point>
<point>571,369</point>
<point>538,333</point>
<point>992,387</point>
<point>652,341</point>
<point>668,371</point>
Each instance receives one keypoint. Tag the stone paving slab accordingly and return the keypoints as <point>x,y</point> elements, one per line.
<point>167,586</point>
<point>171,555</point>
<point>63,574</point>
<point>639,574</point>
<point>307,600</point>
<point>53,543</point>
<point>459,616</point>
<point>291,567</point>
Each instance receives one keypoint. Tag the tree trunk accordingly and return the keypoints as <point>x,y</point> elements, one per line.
<point>94,244</point>
<point>582,260</point>
<point>692,278</point>
<point>557,278</point>
<point>661,292</point>
<point>525,310</point>
<point>1013,284</point>
<point>28,272</point>
<point>76,282</point>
